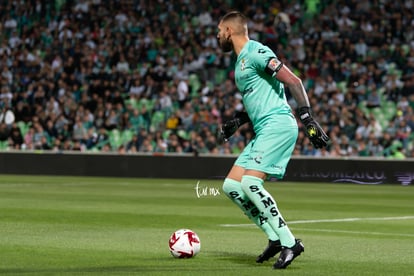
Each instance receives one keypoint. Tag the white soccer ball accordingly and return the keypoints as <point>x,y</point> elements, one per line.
<point>184,243</point>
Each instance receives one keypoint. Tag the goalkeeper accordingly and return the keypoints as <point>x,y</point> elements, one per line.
<point>261,77</point>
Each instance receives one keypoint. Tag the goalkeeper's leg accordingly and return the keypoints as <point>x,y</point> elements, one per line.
<point>233,190</point>
<point>291,248</point>
<point>252,186</point>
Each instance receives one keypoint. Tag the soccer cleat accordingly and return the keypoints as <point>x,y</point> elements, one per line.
<point>271,250</point>
<point>288,255</point>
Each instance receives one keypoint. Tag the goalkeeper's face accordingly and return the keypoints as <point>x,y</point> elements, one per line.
<point>224,38</point>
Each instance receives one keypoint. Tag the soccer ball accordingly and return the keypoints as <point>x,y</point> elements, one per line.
<point>184,243</point>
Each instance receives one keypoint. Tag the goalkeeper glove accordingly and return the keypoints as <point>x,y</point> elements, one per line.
<point>231,126</point>
<point>313,130</point>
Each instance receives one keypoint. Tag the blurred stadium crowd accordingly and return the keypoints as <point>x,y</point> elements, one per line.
<point>147,76</point>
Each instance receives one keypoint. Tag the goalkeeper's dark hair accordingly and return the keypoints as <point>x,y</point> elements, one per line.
<point>235,15</point>
<point>238,20</point>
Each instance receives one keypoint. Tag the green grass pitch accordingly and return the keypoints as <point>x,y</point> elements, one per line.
<point>121,226</point>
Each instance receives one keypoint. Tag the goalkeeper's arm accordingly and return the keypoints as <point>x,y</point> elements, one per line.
<point>280,71</point>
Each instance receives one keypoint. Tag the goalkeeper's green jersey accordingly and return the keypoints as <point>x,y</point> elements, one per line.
<point>263,95</point>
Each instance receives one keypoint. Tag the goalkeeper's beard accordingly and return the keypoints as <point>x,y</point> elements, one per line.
<point>226,44</point>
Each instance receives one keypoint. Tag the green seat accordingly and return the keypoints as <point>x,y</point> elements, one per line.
<point>405,48</point>
<point>23,126</point>
<point>166,133</point>
<point>4,145</point>
<point>183,134</point>
<point>363,108</point>
<point>101,144</point>
<point>150,104</point>
<point>127,135</point>
<point>115,139</point>
<point>147,103</point>
<point>383,121</point>
<point>342,86</point>
<point>389,109</point>
<point>194,83</point>
<point>143,103</point>
<point>382,95</point>
<point>220,76</point>
<point>93,149</point>
<point>157,121</point>
<point>376,111</point>
<point>131,102</point>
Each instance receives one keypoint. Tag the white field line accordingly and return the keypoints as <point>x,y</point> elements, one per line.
<point>352,232</point>
<point>326,220</point>
<point>338,220</point>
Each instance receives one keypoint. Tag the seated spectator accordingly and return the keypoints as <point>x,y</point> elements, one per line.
<point>373,100</point>
<point>16,138</point>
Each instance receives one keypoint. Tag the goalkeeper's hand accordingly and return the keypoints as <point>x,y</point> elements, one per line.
<point>313,130</point>
<point>231,126</point>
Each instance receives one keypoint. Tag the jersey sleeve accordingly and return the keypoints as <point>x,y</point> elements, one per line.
<point>265,60</point>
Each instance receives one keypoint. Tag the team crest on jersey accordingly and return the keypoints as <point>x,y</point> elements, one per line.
<point>243,65</point>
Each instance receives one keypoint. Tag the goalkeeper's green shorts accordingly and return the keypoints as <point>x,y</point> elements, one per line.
<point>272,148</point>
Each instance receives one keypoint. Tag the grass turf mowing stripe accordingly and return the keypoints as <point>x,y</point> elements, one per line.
<point>112,226</point>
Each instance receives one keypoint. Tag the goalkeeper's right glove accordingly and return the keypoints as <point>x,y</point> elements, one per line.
<point>231,126</point>
<point>313,130</point>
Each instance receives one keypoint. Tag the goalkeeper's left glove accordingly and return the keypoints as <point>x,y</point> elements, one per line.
<point>231,126</point>
<point>313,130</point>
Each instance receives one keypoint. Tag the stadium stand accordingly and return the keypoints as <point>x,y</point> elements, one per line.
<point>129,76</point>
